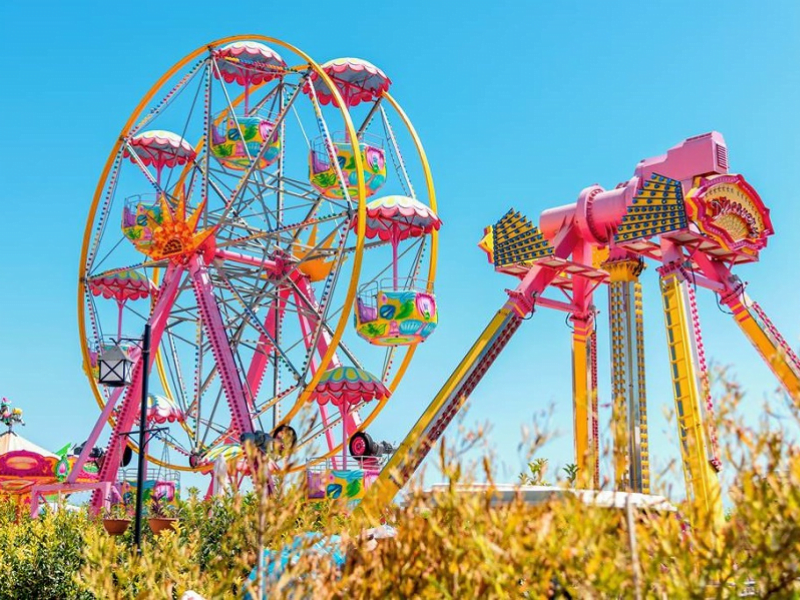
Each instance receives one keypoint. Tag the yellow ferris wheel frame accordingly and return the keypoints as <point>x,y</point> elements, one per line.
<point>349,301</point>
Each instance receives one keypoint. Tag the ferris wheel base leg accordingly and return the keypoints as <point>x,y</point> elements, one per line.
<point>40,491</point>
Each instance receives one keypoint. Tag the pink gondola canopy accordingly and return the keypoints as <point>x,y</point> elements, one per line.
<point>348,386</point>
<point>356,79</point>
<point>124,285</point>
<point>248,63</point>
<point>160,149</point>
<point>398,218</point>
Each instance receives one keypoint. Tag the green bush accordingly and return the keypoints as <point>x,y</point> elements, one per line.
<point>39,558</point>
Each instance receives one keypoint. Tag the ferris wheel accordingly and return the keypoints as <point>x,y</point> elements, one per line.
<point>274,221</point>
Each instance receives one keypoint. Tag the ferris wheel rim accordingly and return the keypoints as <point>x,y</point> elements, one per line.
<point>432,262</point>
<point>357,254</point>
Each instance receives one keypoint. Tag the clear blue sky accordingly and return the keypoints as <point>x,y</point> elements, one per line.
<point>518,104</point>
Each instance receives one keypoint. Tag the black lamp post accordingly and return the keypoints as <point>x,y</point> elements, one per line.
<point>137,531</point>
<point>115,370</point>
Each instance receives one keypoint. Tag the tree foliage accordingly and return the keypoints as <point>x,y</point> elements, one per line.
<point>448,546</point>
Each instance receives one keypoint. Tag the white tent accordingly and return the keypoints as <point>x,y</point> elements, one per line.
<point>11,442</point>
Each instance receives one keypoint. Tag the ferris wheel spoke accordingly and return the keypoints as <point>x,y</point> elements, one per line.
<point>207,137</point>
<point>316,319</point>
<point>329,146</point>
<point>105,210</point>
<point>277,233</point>
<point>209,424</point>
<point>368,246</point>
<point>183,133</point>
<point>271,181</point>
<point>273,94</point>
<point>97,265</point>
<point>231,106</point>
<point>138,161</point>
<point>231,110</point>
<point>217,185</point>
<point>254,321</point>
<point>255,161</point>
<point>397,158</point>
<point>169,98</point>
<point>225,434</point>
<point>323,304</point>
<point>204,386</point>
<point>368,119</point>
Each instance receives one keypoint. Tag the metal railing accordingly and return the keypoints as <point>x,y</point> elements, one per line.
<point>404,284</point>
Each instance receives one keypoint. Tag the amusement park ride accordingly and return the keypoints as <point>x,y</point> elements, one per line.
<point>687,213</point>
<point>262,231</point>
<point>252,200</point>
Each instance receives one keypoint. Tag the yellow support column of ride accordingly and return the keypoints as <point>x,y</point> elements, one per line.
<point>631,449</point>
<point>702,483</point>
<point>583,394</point>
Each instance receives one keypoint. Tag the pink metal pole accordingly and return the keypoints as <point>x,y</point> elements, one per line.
<point>268,265</point>
<point>344,435</point>
<point>120,305</point>
<point>258,364</point>
<point>98,427</point>
<point>394,255</point>
<point>220,346</point>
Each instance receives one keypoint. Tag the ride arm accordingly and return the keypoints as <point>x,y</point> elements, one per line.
<point>766,338</point>
<point>451,398</point>
<point>690,386</point>
<point>445,405</point>
<point>755,324</point>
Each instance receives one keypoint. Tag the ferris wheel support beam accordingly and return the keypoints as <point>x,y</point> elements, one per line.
<point>130,405</point>
<point>220,345</point>
<point>255,372</point>
<point>104,417</point>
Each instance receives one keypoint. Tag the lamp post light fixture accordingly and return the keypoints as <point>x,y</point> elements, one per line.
<point>115,370</point>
